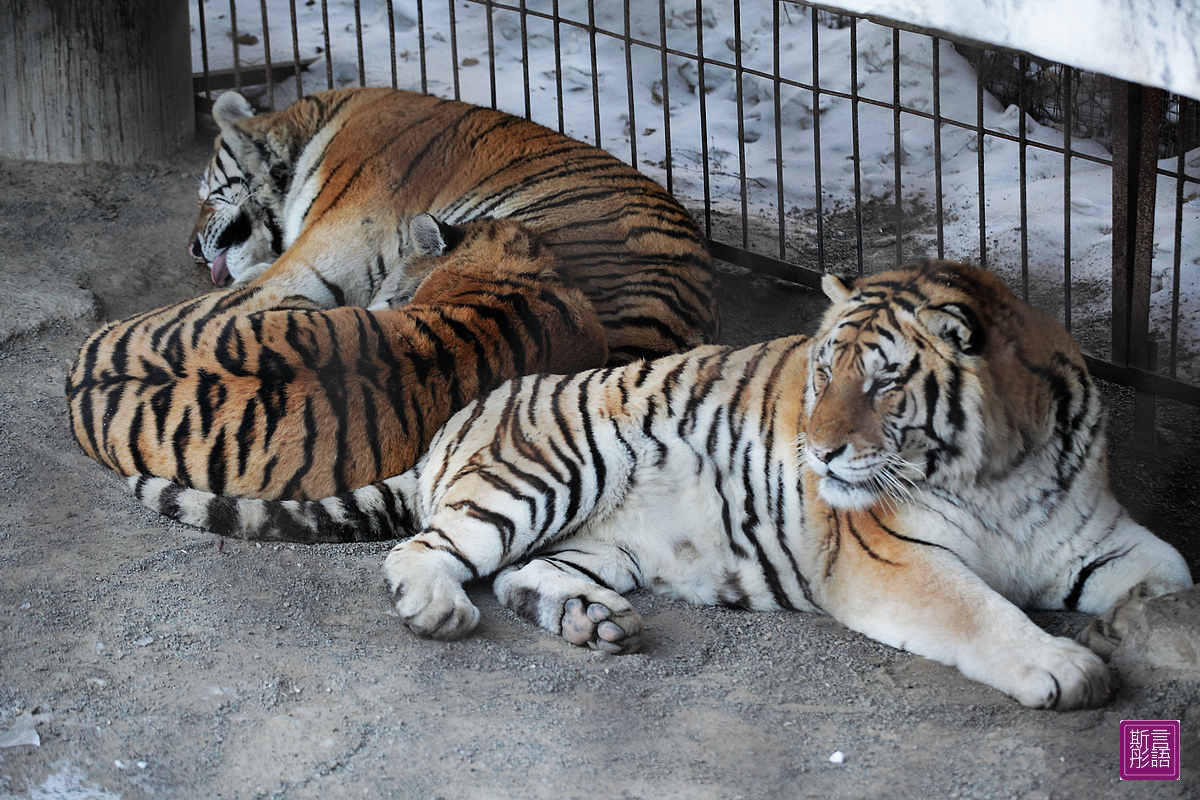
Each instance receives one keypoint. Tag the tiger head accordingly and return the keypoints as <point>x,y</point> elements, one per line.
<point>933,373</point>
<point>485,259</point>
<point>238,200</point>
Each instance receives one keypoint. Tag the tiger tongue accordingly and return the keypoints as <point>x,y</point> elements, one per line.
<point>218,270</point>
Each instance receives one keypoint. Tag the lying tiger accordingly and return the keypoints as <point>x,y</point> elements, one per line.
<point>258,393</point>
<point>931,460</point>
<point>314,199</point>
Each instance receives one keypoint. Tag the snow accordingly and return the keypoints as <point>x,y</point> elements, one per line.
<point>753,152</point>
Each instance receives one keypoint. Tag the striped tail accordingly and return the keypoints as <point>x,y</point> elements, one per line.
<point>384,510</point>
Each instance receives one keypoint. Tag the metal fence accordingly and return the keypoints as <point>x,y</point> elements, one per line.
<point>807,140</point>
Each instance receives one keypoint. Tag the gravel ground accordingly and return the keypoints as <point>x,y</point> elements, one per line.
<point>153,660</point>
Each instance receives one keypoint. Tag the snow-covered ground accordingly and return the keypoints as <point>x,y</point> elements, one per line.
<point>633,128</point>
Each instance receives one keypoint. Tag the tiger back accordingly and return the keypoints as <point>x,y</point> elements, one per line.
<point>314,199</point>
<point>258,393</point>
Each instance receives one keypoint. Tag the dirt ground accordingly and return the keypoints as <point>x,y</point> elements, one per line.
<point>151,660</point>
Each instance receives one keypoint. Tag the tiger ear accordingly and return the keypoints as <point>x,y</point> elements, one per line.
<point>836,289</point>
<point>956,324</point>
<point>230,109</point>
<point>426,235</point>
<point>432,237</point>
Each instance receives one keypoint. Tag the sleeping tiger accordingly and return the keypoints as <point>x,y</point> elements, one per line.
<point>322,190</point>
<point>258,393</point>
<point>931,460</point>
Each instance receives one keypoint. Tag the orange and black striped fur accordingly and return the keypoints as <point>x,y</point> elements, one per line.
<point>314,200</point>
<point>932,460</point>
<point>256,393</point>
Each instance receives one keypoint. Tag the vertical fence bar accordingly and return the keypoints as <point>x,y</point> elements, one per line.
<point>558,81</point>
<point>1023,169</point>
<point>422,44</point>
<point>979,160</point>
<point>741,119</point>
<point>362,63</point>
<point>776,70</point>
<point>237,59</point>
<point>666,94</point>
<point>858,211</point>
<point>296,50</point>
<point>491,45</point>
<point>262,7</point>
<point>1142,350</point>
<point>1136,115</point>
<point>629,89</point>
<point>703,97</point>
<point>937,148</point>
<point>595,72</point>
<point>204,50</point>
<point>391,14</point>
<point>328,51</point>
<point>896,145</point>
<point>1068,102</point>
<point>1180,179</point>
<point>1126,104</point>
<point>525,58</point>
<point>816,114</point>
<point>454,50</point>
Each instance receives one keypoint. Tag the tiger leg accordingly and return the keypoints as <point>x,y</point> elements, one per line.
<point>923,599</point>
<point>576,593</point>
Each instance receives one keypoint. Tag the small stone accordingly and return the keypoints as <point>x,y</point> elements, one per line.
<point>837,758</point>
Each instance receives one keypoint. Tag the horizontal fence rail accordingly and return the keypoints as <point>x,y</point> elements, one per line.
<point>808,140</point>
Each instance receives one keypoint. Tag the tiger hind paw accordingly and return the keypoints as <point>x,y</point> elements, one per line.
<point>599,627</point>
<point>1104,633</point>
<point>581,611</point>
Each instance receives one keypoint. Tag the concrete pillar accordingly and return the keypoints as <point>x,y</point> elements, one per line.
<point>94,80</point>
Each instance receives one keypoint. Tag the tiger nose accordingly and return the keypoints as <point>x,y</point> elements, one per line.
<point>196,251</point>
<point>826,454</point>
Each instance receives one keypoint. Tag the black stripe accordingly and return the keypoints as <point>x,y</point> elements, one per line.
<point>1085,572</point>
<point>217,466</point>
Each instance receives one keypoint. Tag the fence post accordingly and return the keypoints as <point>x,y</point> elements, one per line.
<point>101,80</point>
<point>1137,111</point>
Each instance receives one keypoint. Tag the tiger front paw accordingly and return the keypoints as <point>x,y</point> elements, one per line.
<point>1064,676</point>
<point>431,603</point>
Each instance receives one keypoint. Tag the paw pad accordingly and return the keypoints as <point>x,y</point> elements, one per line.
<point>598,627</point>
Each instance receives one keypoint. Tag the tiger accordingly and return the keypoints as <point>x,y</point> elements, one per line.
<point>313,199</point>
<point>259,393</point>
<point>932,460</point>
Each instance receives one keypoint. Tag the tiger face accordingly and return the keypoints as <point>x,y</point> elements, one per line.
<point>233,235</point>
<point>893,385</point>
